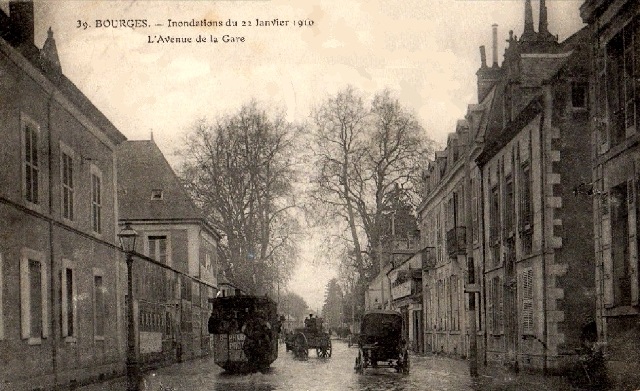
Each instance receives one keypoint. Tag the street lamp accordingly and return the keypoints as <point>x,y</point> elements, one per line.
<point>128,238</point>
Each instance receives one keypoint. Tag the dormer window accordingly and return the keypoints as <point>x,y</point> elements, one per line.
<point>157,194</point>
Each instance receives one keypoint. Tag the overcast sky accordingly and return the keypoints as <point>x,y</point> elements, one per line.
<point>426,51</point>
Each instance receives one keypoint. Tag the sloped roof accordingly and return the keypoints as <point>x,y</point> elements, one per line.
<point>142,168</point>
<point>52,73</point>
<point>537,68</point>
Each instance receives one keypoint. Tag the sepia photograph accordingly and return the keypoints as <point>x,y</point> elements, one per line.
<point>321,195</point>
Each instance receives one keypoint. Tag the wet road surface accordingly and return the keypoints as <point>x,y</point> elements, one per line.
<point>337,373</point>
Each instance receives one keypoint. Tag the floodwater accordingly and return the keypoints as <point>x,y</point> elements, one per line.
<point>337,373</point>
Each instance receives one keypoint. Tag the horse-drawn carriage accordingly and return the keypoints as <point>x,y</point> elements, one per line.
<point>380,342</point>
<point>312,336</point>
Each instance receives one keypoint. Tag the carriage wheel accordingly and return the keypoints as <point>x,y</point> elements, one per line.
<point>359,367</point>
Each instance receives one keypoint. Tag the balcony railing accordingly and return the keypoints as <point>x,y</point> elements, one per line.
<point>404,244</point>
<point>457,241</point>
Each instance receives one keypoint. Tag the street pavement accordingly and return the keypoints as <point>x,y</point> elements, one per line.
<point>337,373</point>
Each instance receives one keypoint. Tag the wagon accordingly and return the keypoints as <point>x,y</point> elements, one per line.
<point>312,336</point>
<point>245,332</point>
<point>380,342</point>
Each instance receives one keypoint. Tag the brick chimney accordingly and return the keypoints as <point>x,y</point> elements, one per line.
<point>488,76</point>
<point>22,22</point>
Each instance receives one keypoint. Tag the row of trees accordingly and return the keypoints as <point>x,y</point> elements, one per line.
<point>368,158</point>
<point>361,162</point>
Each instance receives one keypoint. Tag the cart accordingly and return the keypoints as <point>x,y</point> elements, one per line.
<point>312,336</point>
<point>380,342</point>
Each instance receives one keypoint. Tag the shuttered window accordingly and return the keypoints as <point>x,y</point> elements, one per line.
<point>526,287</point>
<point>33,297</point>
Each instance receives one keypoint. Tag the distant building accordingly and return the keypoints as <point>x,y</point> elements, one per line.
<point>538,275</point>
<point>615,131</point>
<point>442,217</point>
<point>61,292</point>
<point>172,308</point>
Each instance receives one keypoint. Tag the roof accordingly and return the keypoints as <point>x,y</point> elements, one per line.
<point>39,60</point>
<point>142,168</point>
<point>534,70</point>
<point>510,131</point>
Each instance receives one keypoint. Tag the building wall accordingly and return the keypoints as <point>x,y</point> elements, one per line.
<point>39,230</point>
<point>445,310</point>
<point>615,177</point>
<point>556,276</point>
<point>185,305</point>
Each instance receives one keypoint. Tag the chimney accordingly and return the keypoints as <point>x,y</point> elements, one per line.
<point>50,52</point>
<point>529,32</point>
<point>483,57</point>
<point>543,27</point>
<point>21,15</point>
<point>543,24</point>
<point>488,76</point>
<point>494,54</point>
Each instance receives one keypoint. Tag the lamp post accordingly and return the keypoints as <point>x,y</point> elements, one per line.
<point>128,244</point>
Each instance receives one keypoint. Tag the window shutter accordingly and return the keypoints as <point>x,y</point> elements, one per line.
<point>601,116</point>
<point>64,301</point>
<point>45,300</point>
<point>25,314</point>
<point>500,305</point>
<point>607,277</point>
<point>527,301</point>
<point>490,298</point>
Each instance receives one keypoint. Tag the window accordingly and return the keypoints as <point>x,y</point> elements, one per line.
<point>33,297</point>
<point>157,194</point>
<point>509,207</point>
<point>66,168</point>
<point>455,307</point>
<point>622,87</point>
<point>494,225</point>
<point>496,313</point>
<point>99,309</point>
<point>620,254</point>
<point>96,200</point>
<point>158,248</point>
<point>526,209</point>
<point>526,286</point>
<point>475,210</point>
<point>579,94</point>
<point>31,164</point>
<point>1,297</point>
<point>68,304</point>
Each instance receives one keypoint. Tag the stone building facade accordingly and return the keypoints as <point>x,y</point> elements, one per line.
<point>615,128</point>
<point>538,277</point>
<point>61,286</point>
<point>442,222</point>
<point>172,304</point>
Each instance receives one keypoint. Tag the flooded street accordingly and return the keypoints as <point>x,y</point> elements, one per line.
<point>337,373</point>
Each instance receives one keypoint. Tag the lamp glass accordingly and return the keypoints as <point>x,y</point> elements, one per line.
<point>128,238</point>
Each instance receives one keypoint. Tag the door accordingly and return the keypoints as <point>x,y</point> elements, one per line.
<point>418,331</point>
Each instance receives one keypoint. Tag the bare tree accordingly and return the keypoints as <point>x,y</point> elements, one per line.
<point>367,164</point>
<point>240,170</point>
